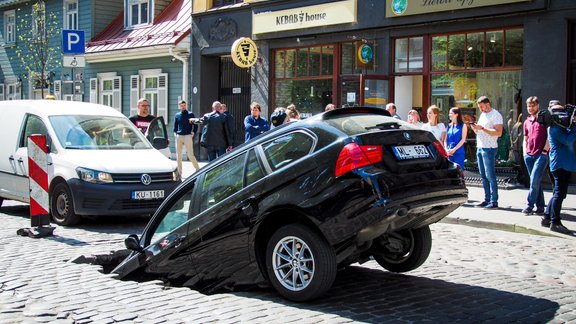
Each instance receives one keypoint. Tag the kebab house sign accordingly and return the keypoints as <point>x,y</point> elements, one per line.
<point>398,8</point>
<point>244,52</point>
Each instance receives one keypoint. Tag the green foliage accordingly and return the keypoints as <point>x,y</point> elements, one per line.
<point>36,32</point>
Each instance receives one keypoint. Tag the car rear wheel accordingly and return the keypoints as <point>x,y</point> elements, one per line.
<point>404,250</point>
<point>301,265</point>
<point>62,206</point>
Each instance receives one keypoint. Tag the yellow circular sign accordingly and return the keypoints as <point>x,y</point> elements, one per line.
<point>244,52</point>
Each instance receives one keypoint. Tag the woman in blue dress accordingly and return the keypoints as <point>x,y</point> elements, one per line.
<point>456,137</point>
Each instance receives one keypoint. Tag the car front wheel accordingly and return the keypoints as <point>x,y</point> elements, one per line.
<point>404,250</point>
<point>62,206</point>
<point>301,265</point>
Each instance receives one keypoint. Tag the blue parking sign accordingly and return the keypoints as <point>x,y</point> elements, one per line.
<point>73,42</point>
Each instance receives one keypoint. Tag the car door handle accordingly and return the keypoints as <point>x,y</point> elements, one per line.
<point>247,202</point>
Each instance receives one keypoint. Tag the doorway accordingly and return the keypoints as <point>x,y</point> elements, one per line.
<point>408,95</point>
<point>235,93</point>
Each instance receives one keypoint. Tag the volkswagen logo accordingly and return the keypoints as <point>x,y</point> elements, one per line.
<point>407,136</point>
<point>146,179</point>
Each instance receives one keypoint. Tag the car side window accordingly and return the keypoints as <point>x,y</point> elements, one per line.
<point>287,149</point>
<point>176,216</point>
<point>34,125</point>
<point>222,182</point>
<point>254,171</point>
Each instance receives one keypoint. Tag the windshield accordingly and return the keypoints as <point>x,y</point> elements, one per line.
<point>353,124</point>
<point>97,133</point>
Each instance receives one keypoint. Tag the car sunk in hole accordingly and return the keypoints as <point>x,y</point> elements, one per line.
<point>294,204</point>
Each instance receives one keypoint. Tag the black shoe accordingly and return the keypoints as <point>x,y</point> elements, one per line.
<point>491,206</point>
<point>540,211</point>
<point>527,211</point>
<point>559,228</point>
<point>483,204</point>
<point>545,222</point>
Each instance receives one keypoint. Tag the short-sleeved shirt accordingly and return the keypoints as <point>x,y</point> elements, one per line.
<point>535,135</point>
<point>488,120</point>
<point>142,122</point>
<point>437,129</point>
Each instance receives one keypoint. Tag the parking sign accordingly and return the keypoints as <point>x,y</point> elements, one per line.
<point>73,42</point>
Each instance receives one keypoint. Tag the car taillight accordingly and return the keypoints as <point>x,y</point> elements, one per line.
<point>440,148</point>
<point>354,156</point>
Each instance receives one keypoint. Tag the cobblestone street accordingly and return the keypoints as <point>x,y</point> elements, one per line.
<point>472,275</point>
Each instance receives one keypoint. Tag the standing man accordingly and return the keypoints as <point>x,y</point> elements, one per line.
<point>391,108</point>
<point>142,119</point>
<point>214,136</point>
<point>230,124</point>
<point>254,124</point>
<point>488,129</point>
<point>536,147</point>
<point>184,132</point>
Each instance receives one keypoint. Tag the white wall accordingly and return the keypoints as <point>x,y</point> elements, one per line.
<point>403,95</point>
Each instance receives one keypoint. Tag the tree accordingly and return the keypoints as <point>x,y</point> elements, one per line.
<point>37,48</point>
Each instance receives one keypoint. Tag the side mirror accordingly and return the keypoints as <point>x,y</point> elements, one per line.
<point>159,143</point>
<point>133,243</point>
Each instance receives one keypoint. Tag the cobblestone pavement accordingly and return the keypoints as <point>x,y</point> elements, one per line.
<point>472,275</point>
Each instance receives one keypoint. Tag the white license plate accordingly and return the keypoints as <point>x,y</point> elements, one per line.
<point>152,194</point>
<point>409,152</point>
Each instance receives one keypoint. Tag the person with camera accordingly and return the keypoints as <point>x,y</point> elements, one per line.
<point>535,147</point>
<point>488,129</point>
<point>562,138</point>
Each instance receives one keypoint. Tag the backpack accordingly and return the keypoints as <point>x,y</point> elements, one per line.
<point>278,117</point>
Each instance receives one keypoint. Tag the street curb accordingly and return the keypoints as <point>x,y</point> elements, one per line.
<point>500,227</point>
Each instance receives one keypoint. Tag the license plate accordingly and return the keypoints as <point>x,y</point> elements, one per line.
<point>409,152</point>
<point>152,194</point>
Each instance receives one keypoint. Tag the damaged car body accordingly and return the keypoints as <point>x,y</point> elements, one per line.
<point>295,204</point>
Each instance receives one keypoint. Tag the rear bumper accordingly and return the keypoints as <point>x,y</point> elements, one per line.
<point>115,199</point>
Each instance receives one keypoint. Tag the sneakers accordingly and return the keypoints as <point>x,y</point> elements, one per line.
<point>527,211</point>
<point>539,211</point>
<point>545,222</point>
<point>491,206</point>
<point>483,204</point>
<point>559,228</point>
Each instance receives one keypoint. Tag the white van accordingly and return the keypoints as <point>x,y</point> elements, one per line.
<point>99,163</point>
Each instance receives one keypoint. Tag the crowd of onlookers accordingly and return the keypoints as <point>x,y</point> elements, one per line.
<point>545,145</point>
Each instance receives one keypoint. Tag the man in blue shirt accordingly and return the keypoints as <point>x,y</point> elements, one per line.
<point>254,124</point>
<point>562,163</point>
<point>184,132</point>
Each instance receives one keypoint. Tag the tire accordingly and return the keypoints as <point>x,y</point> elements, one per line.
<point>310,278</point>
<point>62,206</point>
<point>406,250</point>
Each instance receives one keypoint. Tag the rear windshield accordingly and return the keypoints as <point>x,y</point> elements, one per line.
<point>353,124</point>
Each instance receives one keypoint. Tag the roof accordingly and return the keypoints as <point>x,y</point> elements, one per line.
<point>169,28</point>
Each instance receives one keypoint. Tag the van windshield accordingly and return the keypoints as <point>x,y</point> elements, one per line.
<point>83,132</point>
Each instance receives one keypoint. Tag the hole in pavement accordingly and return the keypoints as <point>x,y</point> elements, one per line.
<point>107,261</point>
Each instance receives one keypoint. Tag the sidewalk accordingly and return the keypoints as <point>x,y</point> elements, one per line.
<point>508,217</point>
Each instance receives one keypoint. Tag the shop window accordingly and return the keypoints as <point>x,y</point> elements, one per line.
<point>348,64</point>
<point>408,55</point>
<point>491,49</point>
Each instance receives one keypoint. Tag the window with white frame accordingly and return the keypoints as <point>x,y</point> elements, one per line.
<point>106,89</point>
<point>152,85</point>
<point>71,14</point>
<point>39,20</point>
<point>137,12</point>
<point>10,26</point>
<point>12,90</point>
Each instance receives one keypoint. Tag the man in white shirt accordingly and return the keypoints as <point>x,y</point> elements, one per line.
<point>488,129</point>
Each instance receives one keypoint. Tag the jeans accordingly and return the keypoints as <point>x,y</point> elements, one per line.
<point>561,182</point>
<point>487,165</point>
<point>215,151</point>
<point>536,166</point>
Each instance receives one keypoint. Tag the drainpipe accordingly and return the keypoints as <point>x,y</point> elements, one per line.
<point>185,64</point>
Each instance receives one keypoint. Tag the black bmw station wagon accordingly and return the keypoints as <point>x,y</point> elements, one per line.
<point>294,204</point>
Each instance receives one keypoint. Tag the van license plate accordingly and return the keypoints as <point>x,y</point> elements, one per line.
<point>152,194</point>
<point>409,152</point>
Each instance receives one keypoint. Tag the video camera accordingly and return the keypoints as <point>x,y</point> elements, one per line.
<point>557,115</point>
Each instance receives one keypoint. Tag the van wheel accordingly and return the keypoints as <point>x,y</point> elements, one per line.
<point>62,206</point>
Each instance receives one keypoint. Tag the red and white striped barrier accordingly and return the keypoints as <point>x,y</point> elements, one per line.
<point>38,175</point>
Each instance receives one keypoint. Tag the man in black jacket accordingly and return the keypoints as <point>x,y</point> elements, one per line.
<point>215,137</point>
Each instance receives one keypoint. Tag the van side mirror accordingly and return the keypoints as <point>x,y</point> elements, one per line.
<point>159,143</point>
<point>133,243</point>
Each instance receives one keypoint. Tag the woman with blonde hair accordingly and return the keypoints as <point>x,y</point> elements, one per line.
<point>292,112</point>
<point>434,125</point>
<point>414,118</point>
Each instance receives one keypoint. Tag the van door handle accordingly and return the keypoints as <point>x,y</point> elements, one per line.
<point>21,163</point>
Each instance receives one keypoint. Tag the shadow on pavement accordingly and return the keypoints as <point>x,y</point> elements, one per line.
<point>373,296</point>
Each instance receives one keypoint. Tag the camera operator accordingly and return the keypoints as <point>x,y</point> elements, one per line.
<point>562,138</point>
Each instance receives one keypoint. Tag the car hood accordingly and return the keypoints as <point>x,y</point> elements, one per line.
<point>117,161</point>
